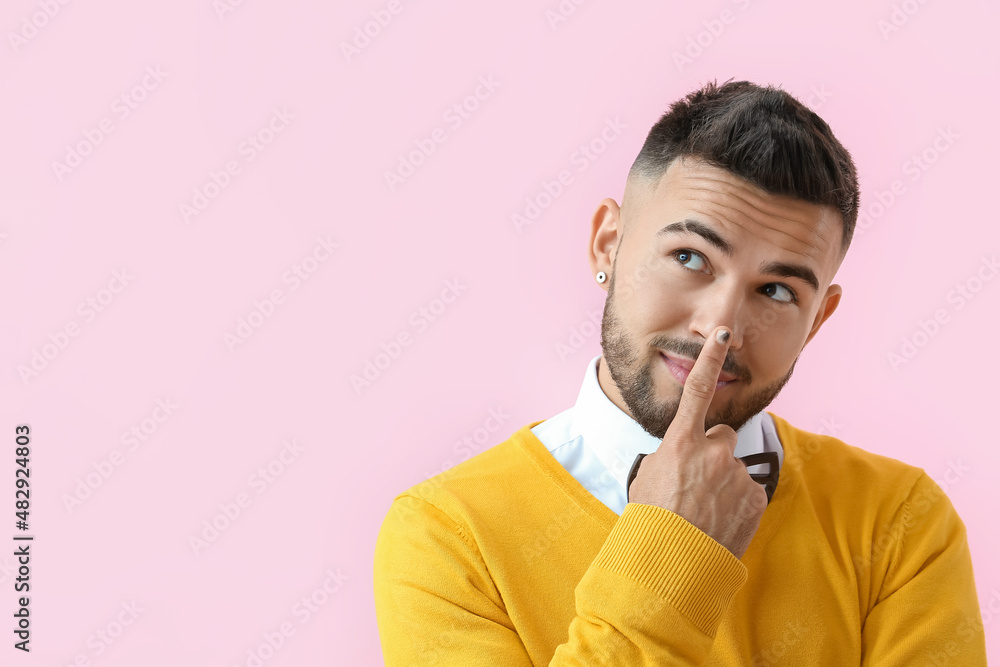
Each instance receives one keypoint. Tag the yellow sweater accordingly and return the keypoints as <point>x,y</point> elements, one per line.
<point>505,559</point>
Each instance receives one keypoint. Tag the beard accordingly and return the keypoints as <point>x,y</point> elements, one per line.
<point>634,377</point>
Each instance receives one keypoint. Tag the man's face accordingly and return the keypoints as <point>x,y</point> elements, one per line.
<point>734,256</point>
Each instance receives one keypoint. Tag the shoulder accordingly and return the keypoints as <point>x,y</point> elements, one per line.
<point>824,463</point>
<point>484,480</point>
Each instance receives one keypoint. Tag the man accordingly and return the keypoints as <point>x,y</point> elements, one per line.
<point>666,518</point>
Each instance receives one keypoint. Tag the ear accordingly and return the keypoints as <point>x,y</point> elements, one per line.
<point>605,228</point>
<point>830,303</point>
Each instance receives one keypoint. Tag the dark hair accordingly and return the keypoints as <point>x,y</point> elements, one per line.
<point>762,134</point>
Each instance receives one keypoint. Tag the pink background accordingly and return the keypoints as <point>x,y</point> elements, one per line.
<point>161,333</point>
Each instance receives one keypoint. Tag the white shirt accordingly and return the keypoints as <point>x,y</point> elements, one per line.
<point>597,442</point>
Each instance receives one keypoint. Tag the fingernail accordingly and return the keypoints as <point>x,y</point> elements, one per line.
<point>722,336</point>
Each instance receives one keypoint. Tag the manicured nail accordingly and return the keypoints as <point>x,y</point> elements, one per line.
<point>722,336</point>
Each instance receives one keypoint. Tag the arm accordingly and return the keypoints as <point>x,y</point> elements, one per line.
<point>653,595</point>
<point>927,610</point>
<point>434,600</point>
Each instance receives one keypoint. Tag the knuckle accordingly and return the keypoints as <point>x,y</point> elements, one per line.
<point>753,504</point>
<point>727,431</point>
<point>724,433</point>
<point>698,386</point>
<point>647,460</point>
<point>719,457</point>
<point>687,411</point>
<point>760,498</point>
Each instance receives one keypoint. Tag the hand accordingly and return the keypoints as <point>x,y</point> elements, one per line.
<point>695,473</point>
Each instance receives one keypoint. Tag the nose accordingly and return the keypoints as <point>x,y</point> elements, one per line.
<point>721,305</point>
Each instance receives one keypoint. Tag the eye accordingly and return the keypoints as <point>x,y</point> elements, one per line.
<point>784,294</point>
<point>685,256</point>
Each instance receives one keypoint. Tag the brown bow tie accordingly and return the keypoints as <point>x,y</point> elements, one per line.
<point>769,480</point>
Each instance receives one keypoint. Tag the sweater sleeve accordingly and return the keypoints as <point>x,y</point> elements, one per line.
<point>654,594</point>
<point>927,609</point>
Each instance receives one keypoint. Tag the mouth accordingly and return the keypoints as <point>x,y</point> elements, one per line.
<point>680,368</point>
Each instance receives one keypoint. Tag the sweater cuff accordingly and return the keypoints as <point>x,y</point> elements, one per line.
<point>666,553</point>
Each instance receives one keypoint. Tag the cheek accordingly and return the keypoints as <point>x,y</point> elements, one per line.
<point>770,325</point>
<point>649,273</point>
<point>651,294</point>
<point>663,308</point>
<point>775,343</point>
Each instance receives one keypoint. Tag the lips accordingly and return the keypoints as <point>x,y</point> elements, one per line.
<point>685,365</point>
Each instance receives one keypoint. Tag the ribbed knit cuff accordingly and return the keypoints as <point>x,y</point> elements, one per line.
<point>666,553</point>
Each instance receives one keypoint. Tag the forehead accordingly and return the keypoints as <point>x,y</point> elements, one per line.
<point>742,212</point>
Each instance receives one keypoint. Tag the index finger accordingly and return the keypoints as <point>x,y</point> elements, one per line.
<point>699,386</point>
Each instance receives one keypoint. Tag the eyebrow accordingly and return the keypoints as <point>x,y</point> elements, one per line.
<point>783,269</point>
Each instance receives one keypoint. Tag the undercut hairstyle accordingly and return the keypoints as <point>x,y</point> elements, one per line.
<point>761,134</point>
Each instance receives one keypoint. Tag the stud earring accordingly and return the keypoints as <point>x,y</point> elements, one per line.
<point>601,277</point>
